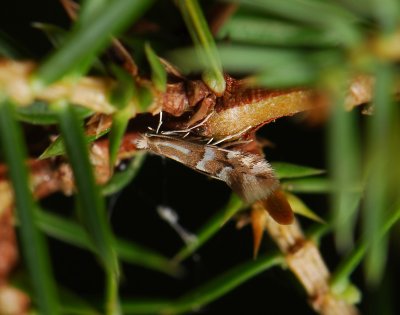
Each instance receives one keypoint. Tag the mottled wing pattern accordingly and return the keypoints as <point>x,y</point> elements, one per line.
<point>249,175</point>
<point>252,178</point>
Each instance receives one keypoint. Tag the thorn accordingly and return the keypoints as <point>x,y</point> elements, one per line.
<point>258,220</point>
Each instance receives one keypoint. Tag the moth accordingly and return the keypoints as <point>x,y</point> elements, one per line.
<point>249,175</point>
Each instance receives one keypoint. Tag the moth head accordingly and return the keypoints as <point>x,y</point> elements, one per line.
<point>141,142</point>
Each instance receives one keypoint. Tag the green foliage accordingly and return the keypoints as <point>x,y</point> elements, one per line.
<point>90,203</point>
<point>276,44</point>
<point>207,292</point>
<point>211,227</point>
<point>33,243</point>
<point>87,39</point>
<point>57,147</point>
<point>121,96</point>
<point>288,170</point>
<point>158,73</point>
<point>204,44</point>
<point>72,233</point>
<point>41,113</point>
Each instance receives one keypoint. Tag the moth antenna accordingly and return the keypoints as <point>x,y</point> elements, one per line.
<point>172,132</point>
<point>235,143</point>
<point>236,135</point>
<point>160,122</point>
<point>202,122</point>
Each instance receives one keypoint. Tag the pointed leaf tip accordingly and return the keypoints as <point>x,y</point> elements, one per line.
<point>299,207</point>
<point>258,221</point>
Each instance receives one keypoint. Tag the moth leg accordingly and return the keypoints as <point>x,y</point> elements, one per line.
<point>201,113</point>
<point>175,132</point>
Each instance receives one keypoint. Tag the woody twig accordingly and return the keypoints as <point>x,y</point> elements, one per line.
<point>305,261</point>
<point>254,106</point>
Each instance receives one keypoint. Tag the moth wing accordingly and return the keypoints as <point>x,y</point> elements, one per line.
<point>254,180</point>
<point>252,187</point>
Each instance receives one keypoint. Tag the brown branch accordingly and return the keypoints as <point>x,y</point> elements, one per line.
<point>305,261</point>
<point>254,106</point>
<point>88,92</point>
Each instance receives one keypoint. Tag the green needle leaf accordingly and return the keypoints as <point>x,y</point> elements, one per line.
<point>340,278</point>
<point>57,147</point>
<point>251,29</point>
<point>92,207</point>
<point>270,66</point>
<point>54,33</point>
<point>299,207</point>
<point>120,180</point>
<point>377,197</point>
<point>87,39</point>
<point>40,113</point>
<point>91,204</point>
<point>70,232</point>
<point>204,43</point>
<point>206,293</point>
<point>158,73</point>
<point>312,12</point>
<point>288,170</point>
<point>344,160</point>
<point>227,282</point>
<point>90,8</point>
<point>211,227</point>
<point>33,244</point>
<point>121,98</point>
<point>315,185</point>
<point>119,125</point>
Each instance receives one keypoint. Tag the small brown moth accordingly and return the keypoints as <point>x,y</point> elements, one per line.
<point>249,175</point>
